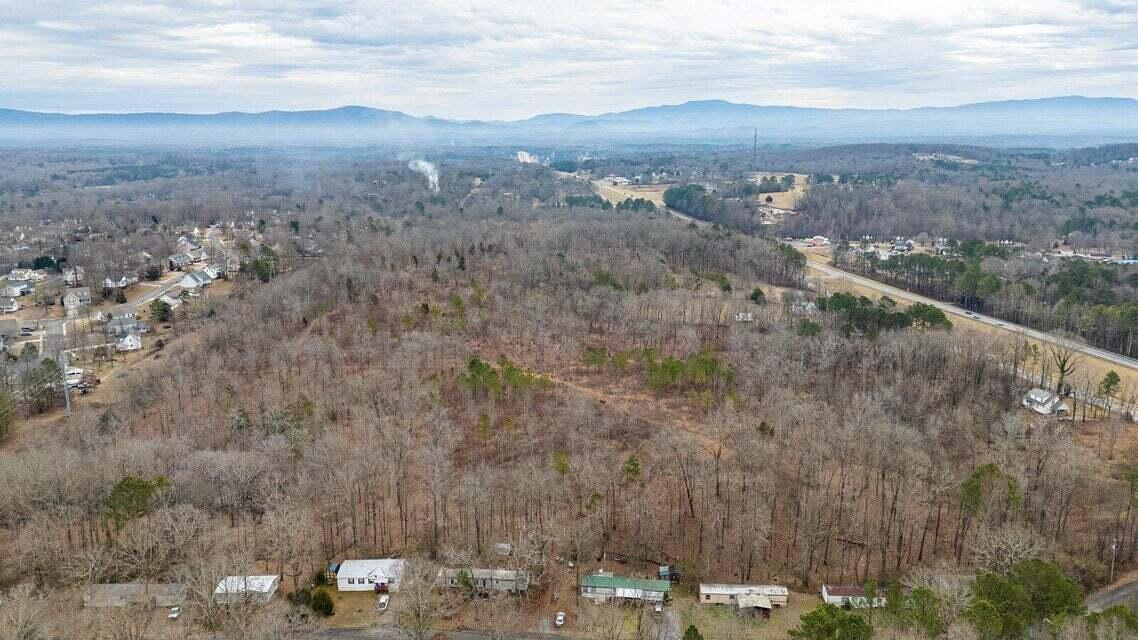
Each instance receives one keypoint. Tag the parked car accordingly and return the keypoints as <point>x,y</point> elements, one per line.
<point>174,613</point>
<point>384,600</point>
<point>659,608</point>
<point>559,619</point>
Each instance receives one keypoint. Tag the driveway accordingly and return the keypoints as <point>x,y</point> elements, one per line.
<point>1123,594</point>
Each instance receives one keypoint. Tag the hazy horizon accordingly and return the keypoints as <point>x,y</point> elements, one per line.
<point>508,61</point>
<point>566,112</point>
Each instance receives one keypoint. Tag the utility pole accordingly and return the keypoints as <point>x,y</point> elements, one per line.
<point>63,379</point>
<point>1113,553</point>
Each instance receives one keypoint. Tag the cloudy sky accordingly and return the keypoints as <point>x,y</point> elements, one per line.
<point>514,59</point>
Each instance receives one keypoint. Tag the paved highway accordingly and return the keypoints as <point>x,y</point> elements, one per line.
<point>995,323</point>
<point>391,633</point>
<point>615,194</point>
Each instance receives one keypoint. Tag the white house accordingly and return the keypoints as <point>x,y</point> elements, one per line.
<point>233,589</point>
<point>130,342</point>
<point>194,280</point>
<point>852,597</point>
<point>368,575</point>
<point>172,299</point>
<point>73,277</point>
<point>27,274</point>
<point>17,288</point>
<point>120,282</point>
<point>9,305</point>
<point>1045,403</point>
<point>76,298</point>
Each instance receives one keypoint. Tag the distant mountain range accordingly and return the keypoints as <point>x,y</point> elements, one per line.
<point>1062,121</point>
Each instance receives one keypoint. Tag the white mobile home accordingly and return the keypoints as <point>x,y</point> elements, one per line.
<point>778,595</point>
<point>852,597</point>
<point>369,575</point>
<point>234,589</point>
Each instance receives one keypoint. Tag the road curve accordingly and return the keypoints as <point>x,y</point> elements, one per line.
<point>1123,594</point>
<point>995,323</point>
<point>615,194</point>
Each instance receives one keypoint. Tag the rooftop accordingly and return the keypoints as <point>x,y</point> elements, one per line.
<point>622,582</point>
<point>385,568</point>
<point>245,584</point>
<point>743,589</point>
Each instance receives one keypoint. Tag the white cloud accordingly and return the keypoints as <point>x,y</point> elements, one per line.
<point>505,60</point>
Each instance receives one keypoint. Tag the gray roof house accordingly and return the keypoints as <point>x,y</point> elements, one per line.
<point>1045,403</point>
<point>120,327</point>
<point>76,297</point>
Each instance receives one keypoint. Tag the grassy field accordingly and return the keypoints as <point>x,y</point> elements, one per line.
<point>784,199</point>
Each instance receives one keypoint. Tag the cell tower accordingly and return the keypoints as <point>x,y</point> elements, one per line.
<point>755,152</point>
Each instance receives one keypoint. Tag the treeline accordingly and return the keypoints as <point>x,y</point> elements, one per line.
<point>1095,301</point>
<point>445,380</point>
<point>858,314</point>
<point>694,200</point>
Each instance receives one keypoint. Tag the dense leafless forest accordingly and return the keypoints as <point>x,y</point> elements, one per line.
<point>428,374</point>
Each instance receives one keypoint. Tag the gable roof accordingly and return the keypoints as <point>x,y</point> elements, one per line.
<point>372,568</point>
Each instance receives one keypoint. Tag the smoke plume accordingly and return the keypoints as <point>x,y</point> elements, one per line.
<point>428,170</point>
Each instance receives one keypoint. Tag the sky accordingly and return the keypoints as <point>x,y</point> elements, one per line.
<point>509,60</point>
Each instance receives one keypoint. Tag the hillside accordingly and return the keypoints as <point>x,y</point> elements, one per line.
<point>1065,121</point>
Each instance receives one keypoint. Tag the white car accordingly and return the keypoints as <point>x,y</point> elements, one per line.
<point>559,619</point>
<point>174,613</point>
<point>384,600</point>
<point>659,608</point>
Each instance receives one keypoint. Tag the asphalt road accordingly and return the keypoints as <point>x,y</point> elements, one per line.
<point>995,323</point>
<point>388,633</point>
<point>615,194</point>
<point>60,326</point>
